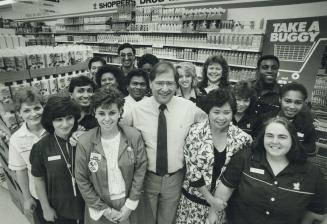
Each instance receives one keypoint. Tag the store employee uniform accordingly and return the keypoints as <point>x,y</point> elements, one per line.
<point>20,147</point>
<point>48,162</point>
<point>162,192</point>
<point>260,197</point>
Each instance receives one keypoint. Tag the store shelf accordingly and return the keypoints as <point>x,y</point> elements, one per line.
<point>111,63</point>
<point>57,70</point>
<point>175,46</point>
<point>232,48</point>
<point>178,59</point>
<point>14,76</point>
<point>36,33</point>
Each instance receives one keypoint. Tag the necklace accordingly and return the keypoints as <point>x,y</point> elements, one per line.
<point>70,166</point>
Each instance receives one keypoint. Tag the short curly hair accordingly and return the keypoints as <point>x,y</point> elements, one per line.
<point>147,58</point>
<point>105,96</point>
<point>218,59</point>
<point>244,89</point>
<point>138,73</point>
<point>294,86</point>
<point>115,71</point>
<point>126,45</point>
<point>59,106</point>
<point>217,98</point>
<point>96,59</point>
<point>27,95</point>
<point>80,81</point>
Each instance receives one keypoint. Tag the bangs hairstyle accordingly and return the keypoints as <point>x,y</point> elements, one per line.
<point>105,96</point>
<point>296,153</point>
<point>294,86</point>
<point>215,59</point>
<point>27,95</point>
<point>188,68</point>
<point>163,67</point>
<point>217,98</point>
<point>80,81</point>
<point>59,106</point>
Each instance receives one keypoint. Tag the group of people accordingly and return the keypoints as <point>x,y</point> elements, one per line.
<point>154,145</point>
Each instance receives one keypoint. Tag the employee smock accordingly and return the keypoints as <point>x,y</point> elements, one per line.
<point>261,197</point>
<point>47,161</point>
<point>91,167</point>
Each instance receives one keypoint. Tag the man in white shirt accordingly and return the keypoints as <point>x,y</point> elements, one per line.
<point>175,115</point>
<point>29,105</point>
<point>137,86</point>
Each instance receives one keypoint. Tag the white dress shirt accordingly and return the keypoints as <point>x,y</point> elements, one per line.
<point>180,115</point>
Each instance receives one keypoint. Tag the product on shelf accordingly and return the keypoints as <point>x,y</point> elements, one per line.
<point>35,57</point>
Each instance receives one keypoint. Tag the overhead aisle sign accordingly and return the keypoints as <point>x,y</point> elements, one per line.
<point>299,44</point>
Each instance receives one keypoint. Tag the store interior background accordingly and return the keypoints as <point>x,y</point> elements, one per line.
<point>237,10</point>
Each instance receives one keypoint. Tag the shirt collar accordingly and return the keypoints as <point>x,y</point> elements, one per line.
<point>24,132</point>
<point>180,94</point>
<point>259,88</point>
<point>292,167</point>
<point>129,98</point>
<point>169,104</point>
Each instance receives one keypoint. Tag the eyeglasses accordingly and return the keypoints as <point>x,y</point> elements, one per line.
<point>126,55</point>
<point>161,84</point>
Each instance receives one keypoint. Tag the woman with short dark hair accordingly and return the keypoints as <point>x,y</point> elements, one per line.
<point>53,163</point>
<point>112,76</point>
<point>273,182</point>
<point>110,163</point>
<point>208,149</point>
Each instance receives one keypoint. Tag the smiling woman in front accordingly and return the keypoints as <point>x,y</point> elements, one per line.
<point>273,183</point>
<point>52,160</point>
<point>110,163</point>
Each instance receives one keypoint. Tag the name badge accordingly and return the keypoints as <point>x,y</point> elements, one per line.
<point>52,158</point>
<point>248,125</point>
<point>256,170</point>
<point>95,156</point>
<point>300,135</point>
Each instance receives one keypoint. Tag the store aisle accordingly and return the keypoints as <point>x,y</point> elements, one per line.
<point>8,212</point>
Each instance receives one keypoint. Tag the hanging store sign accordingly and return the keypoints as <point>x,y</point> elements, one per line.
<point>100,5</point>
<point>299,44</point>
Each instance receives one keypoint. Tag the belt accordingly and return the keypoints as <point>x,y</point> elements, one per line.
<point>164,175</point>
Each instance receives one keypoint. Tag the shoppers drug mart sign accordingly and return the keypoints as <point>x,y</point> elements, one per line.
<point>299,44</point>
<point>302,32</point>
<point>100,5</point>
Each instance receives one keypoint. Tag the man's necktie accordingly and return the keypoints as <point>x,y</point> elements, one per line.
<point>162,162</point>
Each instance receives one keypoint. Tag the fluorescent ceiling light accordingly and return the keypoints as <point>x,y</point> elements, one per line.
<point>7,2</point>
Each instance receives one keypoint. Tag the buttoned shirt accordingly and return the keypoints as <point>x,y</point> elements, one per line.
<point>20,147</point>
<point>262,197</point>
<point>180,115</point>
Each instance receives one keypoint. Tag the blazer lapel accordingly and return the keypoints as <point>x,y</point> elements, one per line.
<point>123,145</point>
<point>96,140</point>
